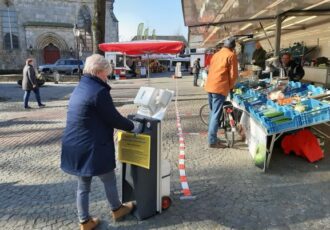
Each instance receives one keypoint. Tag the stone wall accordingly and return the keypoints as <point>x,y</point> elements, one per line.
<point>11,59</point>
<point>42,22</point>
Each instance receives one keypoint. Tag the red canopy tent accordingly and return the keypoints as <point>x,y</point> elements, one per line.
<point>144,47</point>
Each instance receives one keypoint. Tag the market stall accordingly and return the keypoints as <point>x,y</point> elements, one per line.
<point>211,21</point>
<point>146,47</point>
<point>272,108</point>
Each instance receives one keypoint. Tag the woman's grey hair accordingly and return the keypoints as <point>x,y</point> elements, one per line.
<point>95,64</point>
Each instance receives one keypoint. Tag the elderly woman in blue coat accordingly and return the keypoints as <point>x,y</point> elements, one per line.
<point>87,145</point>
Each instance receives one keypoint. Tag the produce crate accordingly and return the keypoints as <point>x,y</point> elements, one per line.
<point>315,112</point>
<point>302,89</point>
<point>273,127</point>
<point>291,91</point>
<point>249,98</point>
<point>315,90</point>
<point>287,120</point>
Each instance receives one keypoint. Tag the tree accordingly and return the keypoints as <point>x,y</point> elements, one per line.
<point>98,25</point>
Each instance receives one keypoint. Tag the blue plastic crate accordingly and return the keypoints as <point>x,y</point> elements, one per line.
<point>255,101</point>
<point>270,123</point>
<point>296,84</point>
<point>273,127</point>
<point>315,112</point>
<point>289,92</point>
<point>315,90</point>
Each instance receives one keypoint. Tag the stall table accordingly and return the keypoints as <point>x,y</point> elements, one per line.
<point>257,134</point>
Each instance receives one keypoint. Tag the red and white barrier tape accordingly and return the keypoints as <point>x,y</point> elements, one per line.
<point>186,193</point>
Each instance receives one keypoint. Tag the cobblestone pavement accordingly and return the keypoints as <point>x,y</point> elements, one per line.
<point>231,193</point>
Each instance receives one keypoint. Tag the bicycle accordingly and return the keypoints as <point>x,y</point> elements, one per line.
<point>228,120</point>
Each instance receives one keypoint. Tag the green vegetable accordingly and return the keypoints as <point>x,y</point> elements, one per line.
<point>273,114</point>
<point>281,121</point>
<point>299,107</point>
<point>260,155</point>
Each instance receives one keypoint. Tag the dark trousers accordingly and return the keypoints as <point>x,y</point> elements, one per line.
<point>27,96</point>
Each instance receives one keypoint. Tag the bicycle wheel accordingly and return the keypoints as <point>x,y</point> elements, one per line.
<point>204,114</point>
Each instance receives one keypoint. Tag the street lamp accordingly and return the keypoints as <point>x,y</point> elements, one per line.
<point>76,33</point>
<point>30,49</point>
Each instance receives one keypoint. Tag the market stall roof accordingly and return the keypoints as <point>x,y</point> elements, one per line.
<point>144,47</point>
<point>210,21</point>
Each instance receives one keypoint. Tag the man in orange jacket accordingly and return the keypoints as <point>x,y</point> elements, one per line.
<point>221,78</point>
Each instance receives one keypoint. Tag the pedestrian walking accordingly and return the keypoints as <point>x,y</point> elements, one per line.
<point>112,70</point>
<point>29,83</point>
<point>196,69</point>
<point>221,78</point>
<point>87,144</point>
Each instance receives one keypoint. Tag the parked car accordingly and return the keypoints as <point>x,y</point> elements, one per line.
<point>66,66</point>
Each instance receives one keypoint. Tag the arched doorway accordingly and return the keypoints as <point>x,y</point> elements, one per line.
<point>51,54</point>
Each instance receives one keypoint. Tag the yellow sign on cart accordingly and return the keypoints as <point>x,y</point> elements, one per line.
<point>134,149</point>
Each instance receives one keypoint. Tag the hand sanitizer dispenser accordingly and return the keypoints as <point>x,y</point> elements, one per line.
<point>148,187</point>
<point>153,102</point>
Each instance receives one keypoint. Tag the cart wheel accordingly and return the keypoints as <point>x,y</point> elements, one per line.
<point>166,202</point>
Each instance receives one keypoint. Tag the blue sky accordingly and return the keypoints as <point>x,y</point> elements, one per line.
<point>165,16</point>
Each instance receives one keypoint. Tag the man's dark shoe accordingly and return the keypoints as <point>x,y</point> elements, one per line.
<point>42,105</point>
<point>27,107</point>
<point>217,145</point>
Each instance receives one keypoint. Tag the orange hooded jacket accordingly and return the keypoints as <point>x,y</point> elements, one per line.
<point>223,72</point>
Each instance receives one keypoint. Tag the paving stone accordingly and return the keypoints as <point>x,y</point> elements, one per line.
<point>231,193</point>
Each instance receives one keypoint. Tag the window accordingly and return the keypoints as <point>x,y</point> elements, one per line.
<point>9,28</point>
<point>10,42</point>
<point>75,62</point>
<point>60,62</point>
<point>85,26</point>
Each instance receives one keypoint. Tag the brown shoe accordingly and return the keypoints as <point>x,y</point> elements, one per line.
<point>217,145</point>
<point>124,209</point>
<point>90,224</point>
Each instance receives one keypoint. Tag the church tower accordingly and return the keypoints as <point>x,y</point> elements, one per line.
<point>111,23</point>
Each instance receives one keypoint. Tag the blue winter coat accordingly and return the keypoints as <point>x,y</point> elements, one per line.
<point>87,143</point>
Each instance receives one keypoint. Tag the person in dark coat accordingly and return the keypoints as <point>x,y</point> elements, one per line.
<point>292,69</point>
<point>29,83</point>
<point>88,148</point>
<point>195,70</point>
<point>259,56</point>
